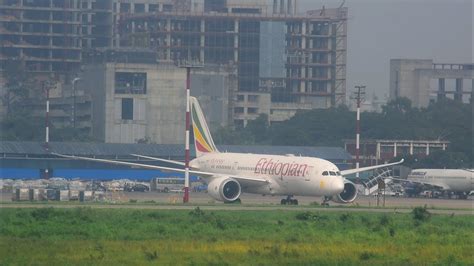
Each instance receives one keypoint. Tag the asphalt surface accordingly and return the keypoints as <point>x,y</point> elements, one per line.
<point>251,202</point>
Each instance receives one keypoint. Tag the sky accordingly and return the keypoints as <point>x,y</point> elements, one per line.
<point>379,30</point>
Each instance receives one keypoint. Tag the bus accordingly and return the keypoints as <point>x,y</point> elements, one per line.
<point>167,184</point>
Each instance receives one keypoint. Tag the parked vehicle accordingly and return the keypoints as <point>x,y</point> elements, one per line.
<point>130,187</point>
<point>168,184</point>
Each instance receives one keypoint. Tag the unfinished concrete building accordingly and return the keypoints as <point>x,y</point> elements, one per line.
<point>258,56</point>
<point>285,61</point>
<point>423,81</point>
<point>51,35</point>
<point>51,38</point>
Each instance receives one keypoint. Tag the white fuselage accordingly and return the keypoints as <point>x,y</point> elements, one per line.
<point>286,175</point>
<point>456,180</point>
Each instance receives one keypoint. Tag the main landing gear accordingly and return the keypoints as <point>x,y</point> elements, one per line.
<point>326,200</point>
<point>289,201</point>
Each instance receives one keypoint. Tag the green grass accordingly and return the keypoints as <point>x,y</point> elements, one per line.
<point>81,236</point>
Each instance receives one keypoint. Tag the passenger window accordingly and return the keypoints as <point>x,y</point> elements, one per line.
<point>325,173</point>
<point>332,173</point>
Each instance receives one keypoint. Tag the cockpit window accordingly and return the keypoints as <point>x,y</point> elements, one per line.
<point>332,173</point>
<point>338,173</point>
<point>325,173</point>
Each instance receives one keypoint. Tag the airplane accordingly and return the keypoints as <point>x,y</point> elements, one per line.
<point>459,181</point>
<point>230,174</point>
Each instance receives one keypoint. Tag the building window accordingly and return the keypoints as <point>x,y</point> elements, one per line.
<point>239,110</point>
<point>167,8</point>
<point>139,8</point>
<point>153,8</point>
<point>127,109</point>
<point>130,83</point>
<point>253,98</point>
<point>252,110</point>
<point>124,8</point>
<point>240,98</point>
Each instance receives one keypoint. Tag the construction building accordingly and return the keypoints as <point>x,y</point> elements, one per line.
<point>50,36</point>
<point>258,57</point>
<point>285,61</point>
<point>423,81</point>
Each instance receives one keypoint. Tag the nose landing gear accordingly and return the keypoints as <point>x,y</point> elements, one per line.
<point>289,201</point>
<point>326,200</point>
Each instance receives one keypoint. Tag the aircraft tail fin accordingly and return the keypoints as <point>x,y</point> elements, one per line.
<point>203,142</point>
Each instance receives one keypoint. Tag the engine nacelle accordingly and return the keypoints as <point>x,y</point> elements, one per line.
<point>224,189</point>
<point>348,195</point>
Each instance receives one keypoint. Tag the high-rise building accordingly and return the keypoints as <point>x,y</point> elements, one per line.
<point>285,61</point>
<point>272,59</point>
<point>50,36</point>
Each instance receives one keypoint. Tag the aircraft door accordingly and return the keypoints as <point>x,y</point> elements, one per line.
<point>235,167</point>
<point>309,173</point>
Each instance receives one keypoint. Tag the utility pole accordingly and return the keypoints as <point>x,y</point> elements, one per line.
<point>189,64</point>
<point>359,95</point>
<point>46,87</point>
<point>74,101</point>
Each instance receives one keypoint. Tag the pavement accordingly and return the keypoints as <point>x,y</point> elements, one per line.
<point>252,202</point>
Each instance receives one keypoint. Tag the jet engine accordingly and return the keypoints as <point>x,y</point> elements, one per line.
<point>224,189</point>
<point>348,195</point>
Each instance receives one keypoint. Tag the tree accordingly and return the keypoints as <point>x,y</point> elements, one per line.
<point>258,128</point>
<point>444,120</point>
<point>17,87</point>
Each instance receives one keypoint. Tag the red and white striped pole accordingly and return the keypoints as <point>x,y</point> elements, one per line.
<point>188,126</point>
<point>358,98</point>
<point>46,120</point>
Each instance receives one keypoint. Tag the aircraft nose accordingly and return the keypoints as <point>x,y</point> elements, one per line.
<point>337,185</point>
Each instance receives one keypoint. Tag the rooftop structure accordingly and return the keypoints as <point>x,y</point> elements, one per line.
<point>376,151</point>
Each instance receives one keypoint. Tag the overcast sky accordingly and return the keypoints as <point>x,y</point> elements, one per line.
<point>379,30</point>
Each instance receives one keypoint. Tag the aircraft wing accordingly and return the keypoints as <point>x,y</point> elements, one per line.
<point>363,169</point>
<point>430,183</point>
<point>158,159</point>
<point>156,167</point>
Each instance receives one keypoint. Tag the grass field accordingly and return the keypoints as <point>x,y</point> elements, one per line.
<point>122,236</point>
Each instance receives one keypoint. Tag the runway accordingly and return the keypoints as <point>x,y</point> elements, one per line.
<point>251,202</point>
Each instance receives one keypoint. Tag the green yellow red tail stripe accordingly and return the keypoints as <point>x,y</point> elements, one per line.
<point>202,137</point>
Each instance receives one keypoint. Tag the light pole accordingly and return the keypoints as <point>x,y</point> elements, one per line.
<point>47,85</point>
<point>189,64</point>
<point>74,101</point>
<point>359,97</point>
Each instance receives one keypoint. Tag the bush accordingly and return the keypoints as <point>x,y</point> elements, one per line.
<point>345,217</point>
<point>197,212</point>
<point>421,214</point>
<point>366,255</point>
<point>384,220</point>
<point>309,216</point>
